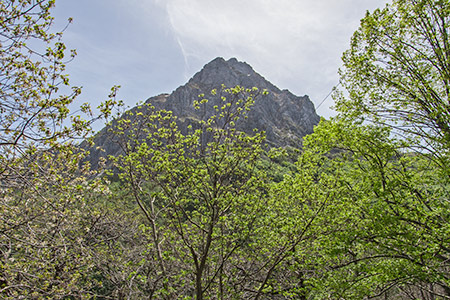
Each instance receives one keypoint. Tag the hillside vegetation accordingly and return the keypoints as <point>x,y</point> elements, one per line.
<point>206,209</point>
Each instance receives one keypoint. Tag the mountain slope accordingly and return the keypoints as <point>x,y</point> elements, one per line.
<point>284,117</point>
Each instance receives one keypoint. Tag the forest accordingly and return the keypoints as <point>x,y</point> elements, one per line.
<point>361,211</point>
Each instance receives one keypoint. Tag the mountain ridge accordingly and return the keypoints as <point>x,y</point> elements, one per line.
<point>285,117</point>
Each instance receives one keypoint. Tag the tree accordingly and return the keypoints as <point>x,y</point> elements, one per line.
<point>219,228</point>
<point>388,148</point>
<point>297,210</point>
<point>397,71</point>
<point>197,190</point>
<point>32,64</point>
<point>34,109</point>
<point>390,225</point>
<point>47,206</point>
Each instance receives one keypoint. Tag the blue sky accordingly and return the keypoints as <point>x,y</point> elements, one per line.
<point>153,46</point>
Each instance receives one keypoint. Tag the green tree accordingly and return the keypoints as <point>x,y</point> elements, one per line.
<point>396,71</point>
<point>32,62</point>
<point>197,190</point>
<point>219,228</point>
<point>284,246</point>
<point>47,206</point>
<point>388,148</point>
<point>390,226</point>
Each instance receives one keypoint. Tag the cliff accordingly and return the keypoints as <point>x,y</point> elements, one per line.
<point>285,117</point>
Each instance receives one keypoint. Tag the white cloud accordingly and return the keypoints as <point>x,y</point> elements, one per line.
<point>295,44</point>
<point>147,45</point>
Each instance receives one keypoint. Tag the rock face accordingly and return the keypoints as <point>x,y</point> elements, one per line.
<point>284,117</point>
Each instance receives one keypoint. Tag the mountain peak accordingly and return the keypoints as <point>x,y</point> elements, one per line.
<point>230,72</point>
<point>283,116</point>
<point>230,63</point>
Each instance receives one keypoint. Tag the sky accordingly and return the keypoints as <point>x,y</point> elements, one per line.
<point>149,47</point>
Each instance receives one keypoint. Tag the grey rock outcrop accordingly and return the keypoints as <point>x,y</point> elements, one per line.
<point>285,117</point>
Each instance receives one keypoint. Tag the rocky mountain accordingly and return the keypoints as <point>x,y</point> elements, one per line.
<point>285,117</point>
